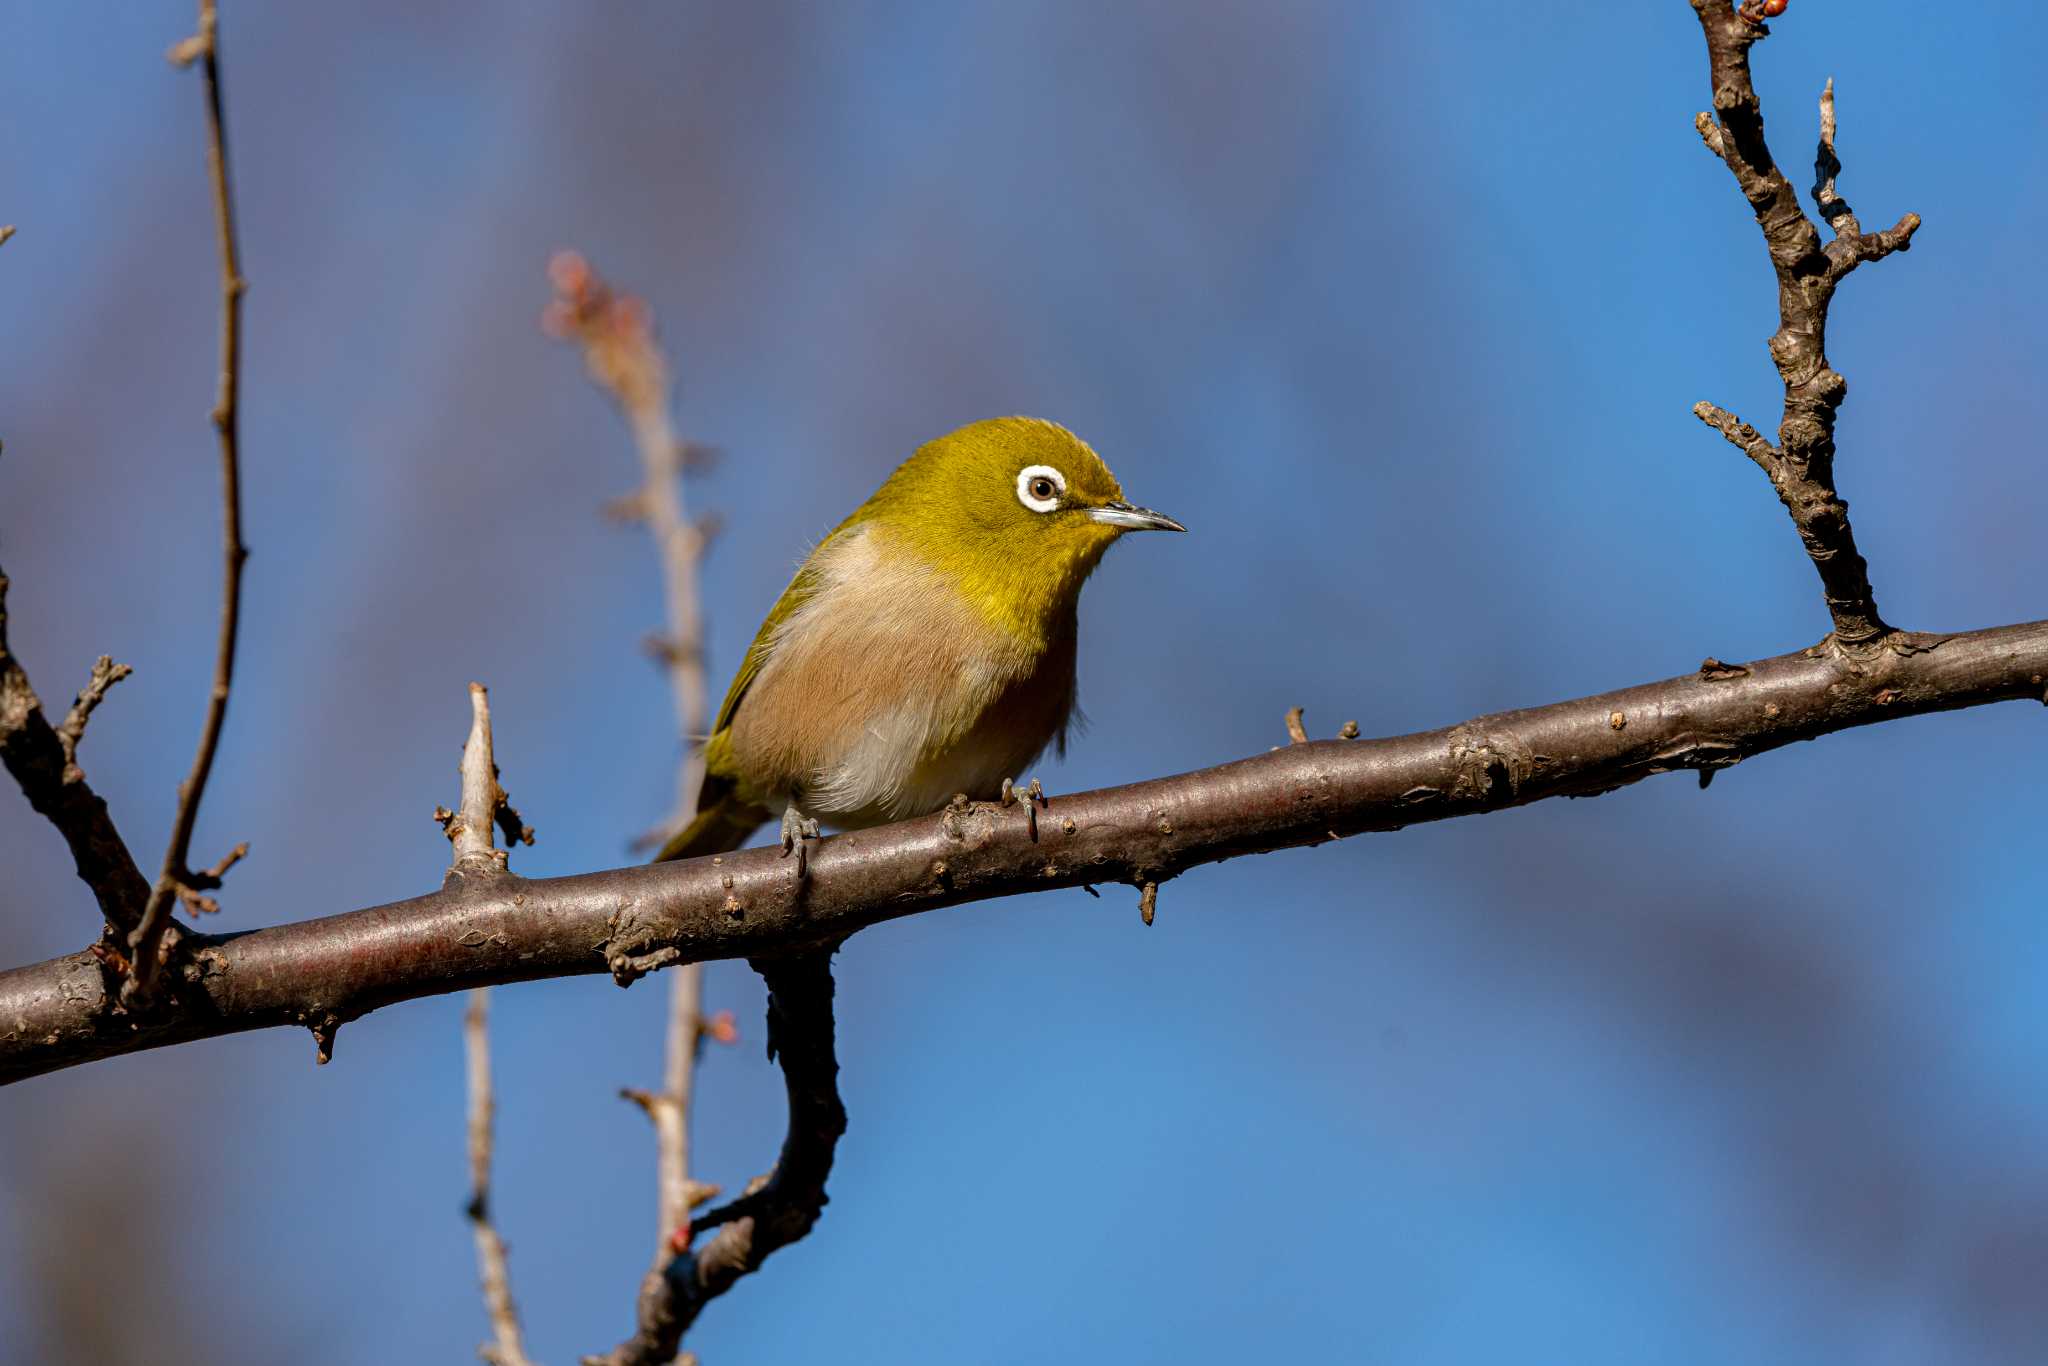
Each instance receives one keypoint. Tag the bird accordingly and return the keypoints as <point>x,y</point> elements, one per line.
<point>926,646</point>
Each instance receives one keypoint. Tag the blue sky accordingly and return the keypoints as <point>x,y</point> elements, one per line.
<point>1403,311</point>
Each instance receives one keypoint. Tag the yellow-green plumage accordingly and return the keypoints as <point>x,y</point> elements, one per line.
<point>926,647</point>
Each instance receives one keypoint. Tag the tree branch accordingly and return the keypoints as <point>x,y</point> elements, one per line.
<point>746,905</point>
<point>778,1210</point>
<point>44,760</point>
<point>1802,465</point>
<point>176,880</point>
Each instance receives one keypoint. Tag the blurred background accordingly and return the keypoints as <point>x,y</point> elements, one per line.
<point>1402,309</point>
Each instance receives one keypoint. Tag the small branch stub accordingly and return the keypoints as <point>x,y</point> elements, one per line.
<point>484,803</point>
<point>1297,733</point>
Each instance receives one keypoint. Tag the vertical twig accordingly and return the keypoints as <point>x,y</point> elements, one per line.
<point>469,828</point>
<point>484,802</point>
<point>176,880</point>
<point>622,357</point>
<point>1801,466</point>
<point>506,1347</point>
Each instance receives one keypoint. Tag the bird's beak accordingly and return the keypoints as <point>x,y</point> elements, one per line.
<point>1133,518</point>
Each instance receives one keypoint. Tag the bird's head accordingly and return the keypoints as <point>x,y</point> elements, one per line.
<point>1014,510</point>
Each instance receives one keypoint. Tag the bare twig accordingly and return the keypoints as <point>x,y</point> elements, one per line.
<point>105,674</point>
<point>1826,166</point>
<point>1739,434</point>
<point>484,802</point>
<point>777,1211</point>
<point>6,232</point>
<point>622,357</point>
<point>616,333</point>
<point>669,1110</point>
<point>175,880</point>
<point>1297,732</point>
<point>477,860</point>
<point>1801,464</point>
<point>745,905</point>
<point>506,1347</point>
<point>43,760</point>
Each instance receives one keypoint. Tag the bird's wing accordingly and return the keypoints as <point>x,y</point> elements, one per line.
<point>801,590</point>
<point>727,812</point>
<point>721,765</point>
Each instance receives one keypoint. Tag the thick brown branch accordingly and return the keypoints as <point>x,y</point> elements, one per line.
<point>175,881</point>
<point>781,1209</point>
<point>43,759</point>
<point>746,905</point>
<point>1801,465</point>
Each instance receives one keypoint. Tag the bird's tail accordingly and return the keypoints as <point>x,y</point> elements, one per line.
<point>723,823</point>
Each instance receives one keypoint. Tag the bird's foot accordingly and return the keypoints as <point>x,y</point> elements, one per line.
<point>796,829</point>
<point>1032,797</point>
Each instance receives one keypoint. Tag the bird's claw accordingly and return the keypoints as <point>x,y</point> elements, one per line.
<point>796,829</point>
<point>1031,796</point>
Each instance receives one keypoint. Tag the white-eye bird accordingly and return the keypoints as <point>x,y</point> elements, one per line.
<point>925,648</point>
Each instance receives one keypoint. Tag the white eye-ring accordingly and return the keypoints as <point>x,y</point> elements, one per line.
<point>1039,487</point>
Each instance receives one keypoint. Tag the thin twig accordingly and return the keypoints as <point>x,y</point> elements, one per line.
<point>477,858</point>
<point>622,357</point>
<point>616,333</point>
<point>105,674</point>
<point>1740,435</point>
<point>145,942</point>
<point>506,1347</point>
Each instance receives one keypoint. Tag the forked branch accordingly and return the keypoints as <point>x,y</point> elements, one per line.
<point>776,1211</point>
<point>1801,465</point>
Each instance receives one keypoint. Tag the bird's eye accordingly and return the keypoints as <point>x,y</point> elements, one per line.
<point>1039,487</point>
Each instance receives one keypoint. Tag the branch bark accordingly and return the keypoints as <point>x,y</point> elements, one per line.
<point>632,920</point>
<point>1801,466</point>
<point>43,759</point>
